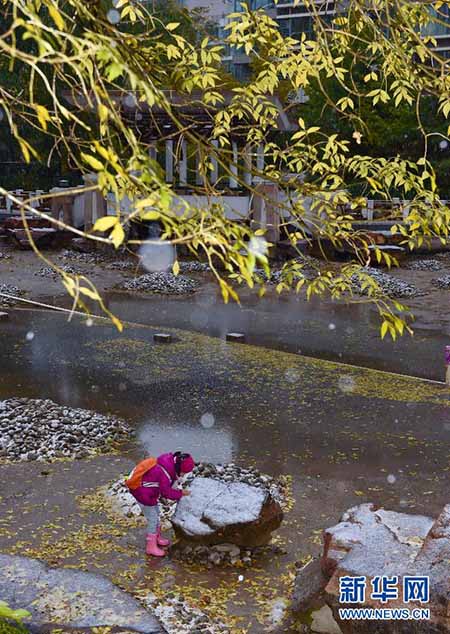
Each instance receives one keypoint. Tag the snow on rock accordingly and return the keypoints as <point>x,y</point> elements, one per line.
<point>371,542</point>
<point>234,512</point>
<point>213,505</point>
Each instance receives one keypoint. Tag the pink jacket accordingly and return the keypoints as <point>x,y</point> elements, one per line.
<point>158,482</point>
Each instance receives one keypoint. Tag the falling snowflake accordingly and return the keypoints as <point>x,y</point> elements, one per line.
<point>207,420</point>
<point>157,256</point>
<point>113,16</point>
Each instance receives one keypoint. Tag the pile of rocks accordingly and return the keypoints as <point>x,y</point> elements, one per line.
<point>309,262</point>
<point>122,501</point>
<point>424,265</point>
<point>218,555</point>
<point>178,617</point>
<point>37,429</point>
<point>309,266</point>
<point>4,256</point>
<point>123,265</point>
<point>162,282</point>
<point>84,258</point>
<point>9,289</point>
<point>442,282</point>
<point>231,472</point>
<point>389,285</point>
<point>48,271</point>
<point>124,504</point>
<point>194,266</point>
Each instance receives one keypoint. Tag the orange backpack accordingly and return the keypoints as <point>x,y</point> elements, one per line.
<point>134,480</point>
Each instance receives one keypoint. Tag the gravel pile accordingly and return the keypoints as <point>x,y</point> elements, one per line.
<point>84,258</point>
<point>47,271</point>
<point>9,289</point>
<point>194,267</point>
<point>37,429</point>
<point>178,617</point>
<point>389,285</point>
<point>219,555</point>
<point>123,265</point>
<point>442,282</point>
<point>162,282</point>
<point>233,473</point>
<point>424,265</point>
<point>309,262</point>
<point>310,265</point>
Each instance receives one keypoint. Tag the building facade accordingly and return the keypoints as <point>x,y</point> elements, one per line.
<point>217,9</point>
<point>294,18</point>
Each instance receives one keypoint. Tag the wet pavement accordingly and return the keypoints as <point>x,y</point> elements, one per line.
<point>321,328</point>
<point>344,435</point>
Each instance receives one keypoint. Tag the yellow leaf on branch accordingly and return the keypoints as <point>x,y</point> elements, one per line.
<point>105,223</point>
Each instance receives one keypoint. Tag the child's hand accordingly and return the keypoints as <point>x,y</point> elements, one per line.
<point>185,493</point>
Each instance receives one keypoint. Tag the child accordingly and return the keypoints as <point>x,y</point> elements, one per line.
<point>152,478</point>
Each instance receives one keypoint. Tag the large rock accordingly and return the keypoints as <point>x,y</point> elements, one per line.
<point>70,598</point>
<point>370,542</point>
<point>217,512</point>
<point>309,587</point>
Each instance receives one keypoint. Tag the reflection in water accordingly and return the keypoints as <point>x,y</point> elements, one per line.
<point>345,333</point>
<point>210,445</point>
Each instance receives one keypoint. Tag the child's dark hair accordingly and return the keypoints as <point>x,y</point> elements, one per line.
<point>179,457</point>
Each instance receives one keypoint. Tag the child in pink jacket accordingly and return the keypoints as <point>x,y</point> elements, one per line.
<point>155,483</point>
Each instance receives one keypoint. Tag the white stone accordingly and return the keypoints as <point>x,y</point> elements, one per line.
<point>213,505</point>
